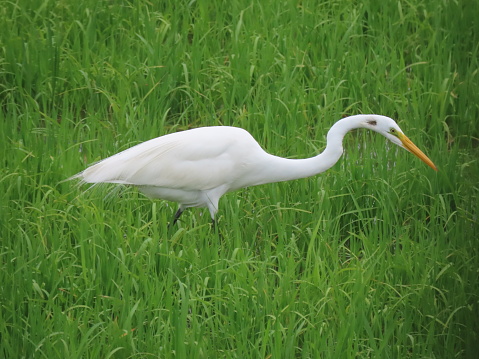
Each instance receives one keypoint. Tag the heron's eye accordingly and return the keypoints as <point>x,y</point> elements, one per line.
<point>392,131</point>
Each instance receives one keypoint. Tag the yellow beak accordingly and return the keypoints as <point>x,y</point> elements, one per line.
<point>411,147</point>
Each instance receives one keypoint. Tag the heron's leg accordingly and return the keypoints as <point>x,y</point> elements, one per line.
<point>175,219</point>
<point>177,215</point>
<point>216,229</point>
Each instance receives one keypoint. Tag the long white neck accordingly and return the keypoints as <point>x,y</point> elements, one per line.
<point>281,169</point>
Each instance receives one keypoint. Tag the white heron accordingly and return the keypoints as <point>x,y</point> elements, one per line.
<point>198,166</point>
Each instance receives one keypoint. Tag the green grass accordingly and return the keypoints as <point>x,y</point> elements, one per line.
<point>376,258</point>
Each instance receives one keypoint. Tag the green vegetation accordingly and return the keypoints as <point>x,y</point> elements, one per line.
<point>376,258</point>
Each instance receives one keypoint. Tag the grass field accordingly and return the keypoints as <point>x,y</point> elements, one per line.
<point>376,258</point>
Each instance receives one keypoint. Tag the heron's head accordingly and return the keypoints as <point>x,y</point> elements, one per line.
<point>389,128</point>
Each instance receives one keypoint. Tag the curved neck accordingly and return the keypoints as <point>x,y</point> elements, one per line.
<point>283,169</point>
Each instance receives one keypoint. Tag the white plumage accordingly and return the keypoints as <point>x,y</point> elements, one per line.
<point>196,167</point>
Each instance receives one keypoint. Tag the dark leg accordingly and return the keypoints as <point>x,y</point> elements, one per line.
<point>175,219</point>
<point>177,215</point>
<point>216,229</point>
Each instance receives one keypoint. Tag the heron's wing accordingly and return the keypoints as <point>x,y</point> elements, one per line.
<point>198,159</point>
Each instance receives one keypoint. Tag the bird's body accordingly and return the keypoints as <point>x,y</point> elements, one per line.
<point>196,167</point>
